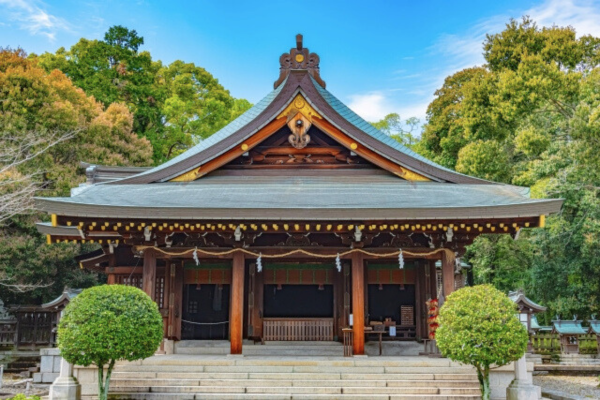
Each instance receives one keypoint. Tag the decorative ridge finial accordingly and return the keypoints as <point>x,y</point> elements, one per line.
<point>299,58</point>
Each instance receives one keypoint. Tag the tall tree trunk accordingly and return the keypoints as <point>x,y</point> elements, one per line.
<point>104,383</point>
<point>483,375</point>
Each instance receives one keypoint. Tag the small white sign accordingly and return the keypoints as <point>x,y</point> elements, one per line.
<point>392,331</point>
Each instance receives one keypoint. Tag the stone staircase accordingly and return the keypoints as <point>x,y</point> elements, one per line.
<point>283,377</point>
<point>222,347</point>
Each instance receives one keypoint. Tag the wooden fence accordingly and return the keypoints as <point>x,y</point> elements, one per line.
<point>549,343</point>
<point>295,329</point>
<point>31,327</point>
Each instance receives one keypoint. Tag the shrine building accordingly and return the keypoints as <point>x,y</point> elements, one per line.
<point>293,222</point>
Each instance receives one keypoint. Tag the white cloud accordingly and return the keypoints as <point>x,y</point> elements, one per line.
<point>371,106</point>
<point>32,17</point>
<point>581,15</point>
<point>375,106</point>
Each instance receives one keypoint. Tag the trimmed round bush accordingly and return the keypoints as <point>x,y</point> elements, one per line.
<point>108,323</point>
<point>479,326</point>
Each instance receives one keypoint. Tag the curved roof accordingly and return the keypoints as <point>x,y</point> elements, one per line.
<point>333,110</point>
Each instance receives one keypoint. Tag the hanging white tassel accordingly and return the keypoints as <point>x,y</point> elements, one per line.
<point>196,256</point>
<point>338,263</point>
<point>400,260</point>
<point>259,262</point>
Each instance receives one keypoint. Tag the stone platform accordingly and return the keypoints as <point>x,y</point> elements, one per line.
<point>284,370</point>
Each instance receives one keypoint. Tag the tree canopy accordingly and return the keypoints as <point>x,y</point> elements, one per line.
<point>173,106</point>
<point>108,323</point>
<point>479,326</point>
<point>530,117</point>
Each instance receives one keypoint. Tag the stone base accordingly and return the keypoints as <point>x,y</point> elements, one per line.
<point>169,346</point>
<point>65,389</point>
<point>522,391</point>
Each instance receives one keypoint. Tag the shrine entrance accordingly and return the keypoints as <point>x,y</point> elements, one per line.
<point>295,302</point>
<point>205,312</point>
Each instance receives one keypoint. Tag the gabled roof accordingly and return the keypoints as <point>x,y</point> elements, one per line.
<point>595,326</point>
<point>328,106</point>
<point>65,297</point>
<point>572,327</point>
<point>520,299</point>
<point>401,184</point>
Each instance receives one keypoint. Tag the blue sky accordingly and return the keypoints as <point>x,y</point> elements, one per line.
<point>377,56</point>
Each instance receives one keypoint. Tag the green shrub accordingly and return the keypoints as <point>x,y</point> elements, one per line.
<point>21,396</point>
<point>108,323</point>
<point>479,326</point>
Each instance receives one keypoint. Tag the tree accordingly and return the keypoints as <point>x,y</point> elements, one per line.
<point>479,326</point>
<point>530,117</point>
<point>402,131</point>
<point>108,323</point>
<point>47,126</point>
<point>173,106</point>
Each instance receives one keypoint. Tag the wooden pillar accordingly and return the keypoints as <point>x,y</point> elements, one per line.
<point>358,303</point>
<point>448,264</point>
<point>432,288</point>
<point>255,302</point>
<point>112,279</point>
<point>419,285</point>
<point>236,311</point>
<point>175,299</point>
<point>149,274</point>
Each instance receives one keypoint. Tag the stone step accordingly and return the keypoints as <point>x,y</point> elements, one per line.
<point>296,390</point>
<point>262,396</point>
<point>294,368</point>
<point>292,376</point>
<point>293,383</point>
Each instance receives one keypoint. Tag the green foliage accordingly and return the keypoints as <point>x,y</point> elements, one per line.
<point>105,324</point>
<point>173,106</point>
<point>401,131</point>
<point>479,326</point>
<point>531,117</point>
<point>41,104</point>
<point>22,396</point>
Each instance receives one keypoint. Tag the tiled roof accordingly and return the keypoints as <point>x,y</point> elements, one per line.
<point>572,327</point>
<point>278,195</point>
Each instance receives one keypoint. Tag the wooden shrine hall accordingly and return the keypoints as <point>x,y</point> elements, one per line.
<point>293,222</point>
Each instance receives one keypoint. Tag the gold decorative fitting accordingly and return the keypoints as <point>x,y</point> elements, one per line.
<point>299,58</point>
<point>244,147</point>
<point>188,176</point>
<point>354,146</point>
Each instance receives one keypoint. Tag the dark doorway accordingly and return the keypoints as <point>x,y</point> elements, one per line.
<point>298,301</point>
<point>205,312</point>
<point>385,301</point>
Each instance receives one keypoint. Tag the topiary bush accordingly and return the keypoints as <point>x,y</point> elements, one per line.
<point>479,326</point>
<point>108,323</point>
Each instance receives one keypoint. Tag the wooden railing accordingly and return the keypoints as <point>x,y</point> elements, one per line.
<point>309,329</point>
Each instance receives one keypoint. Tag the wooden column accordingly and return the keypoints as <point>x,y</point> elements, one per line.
<point>112,279</point>
<point>149,274</point>
<point>358,303</point>
<point>236,311</point>
<point>448,263</point>
<point>419,286</point>
<point>175,299</point>
<point>432,289</point>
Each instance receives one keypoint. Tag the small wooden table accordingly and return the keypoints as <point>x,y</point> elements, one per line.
<point>369,331</point>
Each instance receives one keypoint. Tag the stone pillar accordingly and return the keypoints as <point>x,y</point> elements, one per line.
<point>522,388</point>
<point>65,387</point>
<point>236,312</point>
<point>358,304</point>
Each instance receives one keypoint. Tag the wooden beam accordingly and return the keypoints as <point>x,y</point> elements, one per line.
<point>448,263</point>
<point>232,154</point>
<point>419,285</point>
<point>358,303</point>
<point>149,274</point>
<point>366,153</point>
<point>236,311</point>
